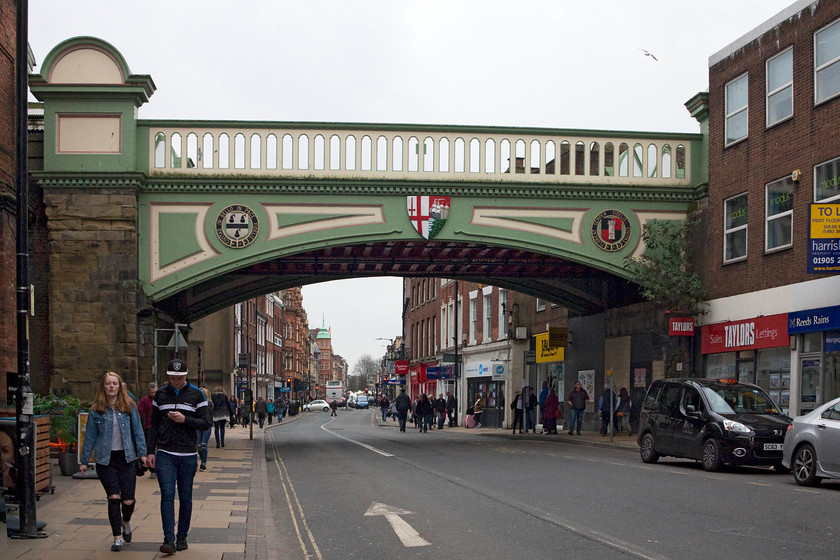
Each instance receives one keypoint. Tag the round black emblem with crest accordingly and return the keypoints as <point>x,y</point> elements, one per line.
<point>611,230</point>
<point>237,226</point>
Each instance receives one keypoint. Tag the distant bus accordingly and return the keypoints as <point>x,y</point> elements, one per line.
<point>335,390</point>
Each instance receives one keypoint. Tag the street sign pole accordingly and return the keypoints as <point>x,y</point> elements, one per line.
<point>24,401</point>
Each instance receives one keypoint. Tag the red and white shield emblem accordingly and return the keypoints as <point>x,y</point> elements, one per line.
<point>428,213</point>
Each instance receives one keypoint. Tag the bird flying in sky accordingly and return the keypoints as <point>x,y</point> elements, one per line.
<point>649,54</point>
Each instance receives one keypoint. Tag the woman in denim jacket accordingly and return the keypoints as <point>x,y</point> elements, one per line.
<point>114,435</point>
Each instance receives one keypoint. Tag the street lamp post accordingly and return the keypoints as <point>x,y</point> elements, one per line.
<point>176,342</point>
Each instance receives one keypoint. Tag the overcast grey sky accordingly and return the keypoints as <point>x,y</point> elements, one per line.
<point>552,63</point>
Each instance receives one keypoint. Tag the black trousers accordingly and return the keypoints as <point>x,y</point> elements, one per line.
<point>517,419</point>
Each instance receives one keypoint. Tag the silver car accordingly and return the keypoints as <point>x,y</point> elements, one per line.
<point>812,445</point>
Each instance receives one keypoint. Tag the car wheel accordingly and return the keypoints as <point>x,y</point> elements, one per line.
<point>711,455</point>
<point>326,409</point>
<point>805,466</point>
<point>648,450</point>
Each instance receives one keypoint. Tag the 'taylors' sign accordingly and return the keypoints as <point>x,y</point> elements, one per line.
<point>747,334</point>
<point>681,326</point>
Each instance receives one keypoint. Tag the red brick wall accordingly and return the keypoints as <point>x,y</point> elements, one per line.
<point>809,138</point>
<point>8,318</point>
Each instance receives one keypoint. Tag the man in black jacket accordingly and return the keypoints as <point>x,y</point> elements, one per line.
<point>451,409</point>
<point>403,404</point>
<point>180,410</point>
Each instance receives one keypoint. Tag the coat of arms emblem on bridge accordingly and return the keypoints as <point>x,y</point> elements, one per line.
<point>428,214</point>
<point>611,230</point>
<point>237,226</point>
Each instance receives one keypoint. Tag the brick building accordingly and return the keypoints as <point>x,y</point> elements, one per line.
<point>773,109</point>
<point>8,173</point>
<point>294,326</point>
<point>493,328</point>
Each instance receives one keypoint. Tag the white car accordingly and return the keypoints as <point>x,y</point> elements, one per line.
<point>316,406</point>
<point>812,445</point>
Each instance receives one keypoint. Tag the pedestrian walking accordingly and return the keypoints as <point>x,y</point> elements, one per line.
<point>144,407</point>
<point>414,417</point>
<point>203,435</point>
<point>550,412</point>
<point>478,408</point>
<point>541,401</point>
<point>518,408</point>
<point>403,405</point>
<point>392,411</point>
<point>577,404</point>
<point>622,411</point>
<point>269,409</point>
<point>220,414</point>
<point>333,407</point>
<point>180,410</point>
<point>452,409</point>
<point>606,406</point>
<point>114,435</point>
<point>384,406</point>
<point>531,412</point>
<point>262,411</point>
<point>424,412</point>
<point>440,410</point>
<point>233,407</point>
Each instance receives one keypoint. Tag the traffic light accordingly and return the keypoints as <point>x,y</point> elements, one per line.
<point>289,380</point>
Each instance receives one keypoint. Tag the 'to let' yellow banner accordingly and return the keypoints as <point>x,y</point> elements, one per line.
<point>546,353</point>
<point>825,221</point>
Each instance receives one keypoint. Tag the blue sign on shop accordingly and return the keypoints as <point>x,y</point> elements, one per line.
<point>814,320</point>
<point>395,382</point>
<point>832,341</point>
<point>439,372</point>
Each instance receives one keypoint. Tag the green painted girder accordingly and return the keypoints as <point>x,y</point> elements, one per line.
<point>180,244</point>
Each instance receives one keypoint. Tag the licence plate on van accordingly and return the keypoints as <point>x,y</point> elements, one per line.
<point>773,447</point>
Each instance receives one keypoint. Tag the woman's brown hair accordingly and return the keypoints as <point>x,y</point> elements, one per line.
<point>123,402</point>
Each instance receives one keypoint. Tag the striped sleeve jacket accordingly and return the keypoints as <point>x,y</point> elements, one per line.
<point>167,435</point>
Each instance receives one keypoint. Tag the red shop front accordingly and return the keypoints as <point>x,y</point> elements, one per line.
<point>755,350</point>
<point>418,381</point>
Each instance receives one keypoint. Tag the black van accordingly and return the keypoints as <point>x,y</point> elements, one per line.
<point>714,421</point>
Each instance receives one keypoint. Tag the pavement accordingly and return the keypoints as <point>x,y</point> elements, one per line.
<point>232,515</point>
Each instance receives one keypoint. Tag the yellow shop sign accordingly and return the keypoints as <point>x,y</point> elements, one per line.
<point>546,353</point>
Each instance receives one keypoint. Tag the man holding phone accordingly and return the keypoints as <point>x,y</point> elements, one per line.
<point>180,409</point>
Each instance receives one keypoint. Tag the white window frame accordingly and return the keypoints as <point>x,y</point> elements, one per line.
<point>473,315</point>
<point>730,114</point>
<point>769,94</point>
<point>833,27</point>
<point>768,219</point>
<point>487,311</point>
<point>540,304</point>
<point>835,181</point>
<point>730,231</point>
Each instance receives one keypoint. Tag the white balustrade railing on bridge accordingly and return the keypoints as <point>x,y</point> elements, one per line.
<point>413,152</point>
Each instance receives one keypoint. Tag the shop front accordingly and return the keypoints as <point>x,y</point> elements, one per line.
<point>815,345</point>
<point>755,350</point>
<point>487,378</point>
<point>549,368</point>
<point>419,383</point>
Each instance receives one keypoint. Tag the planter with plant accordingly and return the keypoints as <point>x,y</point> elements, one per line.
<point>64,419</point>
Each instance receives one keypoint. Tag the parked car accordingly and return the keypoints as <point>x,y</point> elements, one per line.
<point>714,421</point>
<point>812,445</point>
<point>362,402</point>
<point>317,406</point>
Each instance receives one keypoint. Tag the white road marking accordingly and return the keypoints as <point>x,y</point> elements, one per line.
<point>406,533</point>
<point>296,507</point>
<point>345,438</point>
